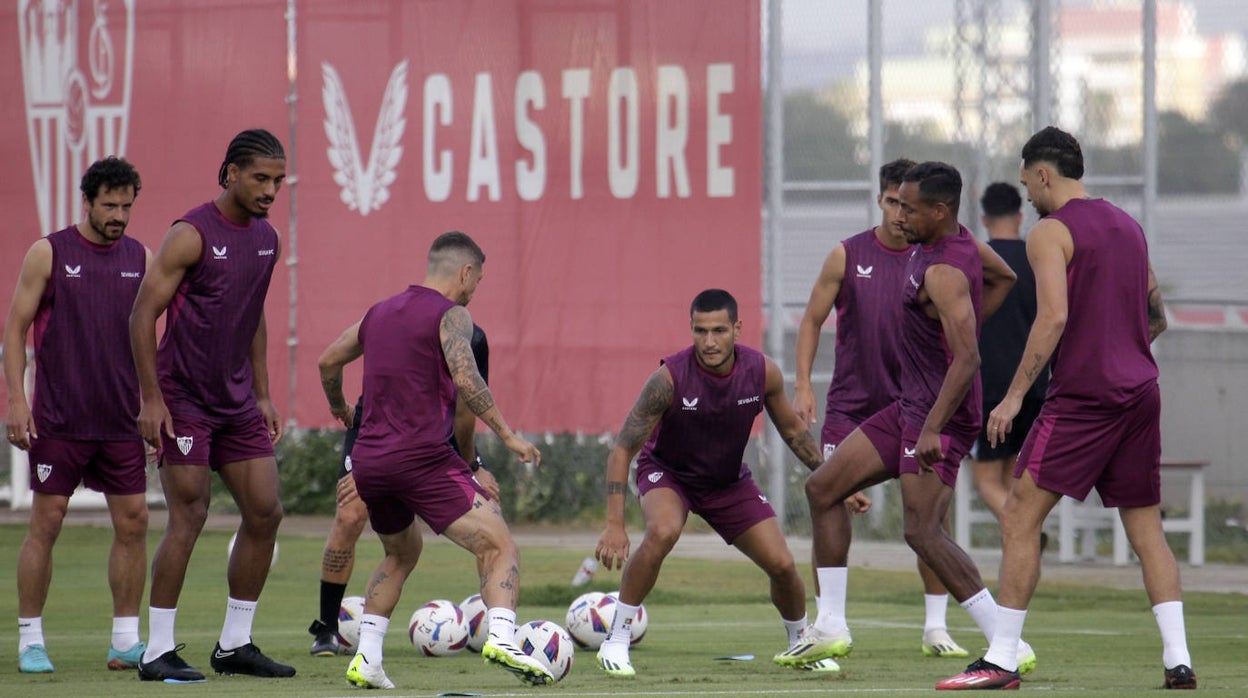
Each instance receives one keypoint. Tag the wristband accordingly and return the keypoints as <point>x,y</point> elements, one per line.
<point>476,464</point>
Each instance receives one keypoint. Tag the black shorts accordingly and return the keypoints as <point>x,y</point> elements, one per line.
<point>1013,442</point>
<point>348,441</point>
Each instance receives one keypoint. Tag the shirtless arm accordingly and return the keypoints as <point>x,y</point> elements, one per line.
<point>342,351</point>
<point>655,399</point>
<point>1049,248</point>
<point>949,291</point>
<point>32,281</point>
<point>822,299</point>
<point>455,332</point>
<point>179,251</point>
<point>793,429</point>
<point>1156,308</point>
<point>259,357</point>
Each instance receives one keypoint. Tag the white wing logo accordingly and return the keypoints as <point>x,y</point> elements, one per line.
<point>865,271</point>
<point>364,189</point>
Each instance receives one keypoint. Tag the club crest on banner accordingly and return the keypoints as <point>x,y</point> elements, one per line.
<point>365,187</point>
<point>77,64</point>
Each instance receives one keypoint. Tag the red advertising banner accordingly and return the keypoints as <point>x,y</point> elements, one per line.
<point>606,156</point>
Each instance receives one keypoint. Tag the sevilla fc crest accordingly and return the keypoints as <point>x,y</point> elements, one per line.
<point>77,62</point>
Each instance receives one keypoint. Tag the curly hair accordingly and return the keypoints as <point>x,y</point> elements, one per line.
<point>110,173</point>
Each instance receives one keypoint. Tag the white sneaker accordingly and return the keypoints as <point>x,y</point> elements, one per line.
<point>366,675</point>
<point>938,643</point>
<point>813,645</point>
<point>826,665</point>
<point>1026,658</point>
<point>507,656</point>
<point>613,659</point>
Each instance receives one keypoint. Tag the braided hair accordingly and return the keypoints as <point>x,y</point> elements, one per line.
<point>246,147</point>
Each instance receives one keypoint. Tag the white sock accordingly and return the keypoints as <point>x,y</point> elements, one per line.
<point>833,582</point>
<point>936,605</point>
<point>125,632</point>
<point>372,633</point>
<point>983,611</point>
<point>622,625</point>
<point>502,624</point>
<point>1169,616</point>
<point>236,631</point>
<point>1003,650</point>
<point>29,632</point>
<point>159,632</point>
<point>794,629</point>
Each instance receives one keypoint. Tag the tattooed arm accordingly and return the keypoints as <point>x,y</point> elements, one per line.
<point>1049,249</point>
<point>792,427</point>
<point>654,400</point>
<point>456,335</point>
<point>1156,309</point>
<point>344,350</point>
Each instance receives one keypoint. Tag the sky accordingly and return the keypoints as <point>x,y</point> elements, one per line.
<point>810,25</point>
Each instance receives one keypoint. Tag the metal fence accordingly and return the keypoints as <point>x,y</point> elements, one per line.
<point>1156,91</point>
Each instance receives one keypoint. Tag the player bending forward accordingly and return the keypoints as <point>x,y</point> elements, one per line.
<point>691,424</point>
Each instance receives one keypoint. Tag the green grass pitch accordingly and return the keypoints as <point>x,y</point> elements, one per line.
<point>1090,641</point>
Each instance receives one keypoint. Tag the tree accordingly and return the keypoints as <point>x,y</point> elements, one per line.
<point>818,144</point>
<point>1195,158</point>
<point>1230,111</point>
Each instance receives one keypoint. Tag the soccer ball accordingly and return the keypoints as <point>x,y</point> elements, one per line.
<point>229,551</point>
<point>474,611</point>
<point>549,644</point>
<point>585,621</point>
<point>349,613</point>
<point>641,621</point>
<point>438,629</point>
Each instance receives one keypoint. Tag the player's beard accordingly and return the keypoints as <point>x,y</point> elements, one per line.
<point>108,231</point>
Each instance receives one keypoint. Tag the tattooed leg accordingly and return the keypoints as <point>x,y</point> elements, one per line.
<point>483,532</point>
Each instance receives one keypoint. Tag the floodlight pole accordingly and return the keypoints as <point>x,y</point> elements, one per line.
<point>875,99</point>
<point>1041,69</point>
<point>774,95</point>
<point>1149,146</point>
<point>292,234</point>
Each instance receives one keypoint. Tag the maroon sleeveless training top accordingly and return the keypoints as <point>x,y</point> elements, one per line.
<point>204,359</point>
<point>86,386</point>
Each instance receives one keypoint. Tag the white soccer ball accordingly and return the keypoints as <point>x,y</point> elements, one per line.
<point>229,551</point>
<point>438,629</point>
<point>349,613</point>
<point>641,621</point>
<point>474,611</point>
<point>585,622</point>
<point>549,644</point>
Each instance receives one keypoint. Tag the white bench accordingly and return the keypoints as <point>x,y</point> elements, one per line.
<point>1088,517</point>
<point>965,514</point>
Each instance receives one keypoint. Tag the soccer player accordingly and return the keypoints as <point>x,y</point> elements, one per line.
<point>862,278</point>
<point>417,358</point>
<point>1099,307</point>
<point>206,400</point>
<point>1001,347</point>
<point>691,424</point>
<point>949,282</point>
<point>350,515</point>
<point>77,286</point>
